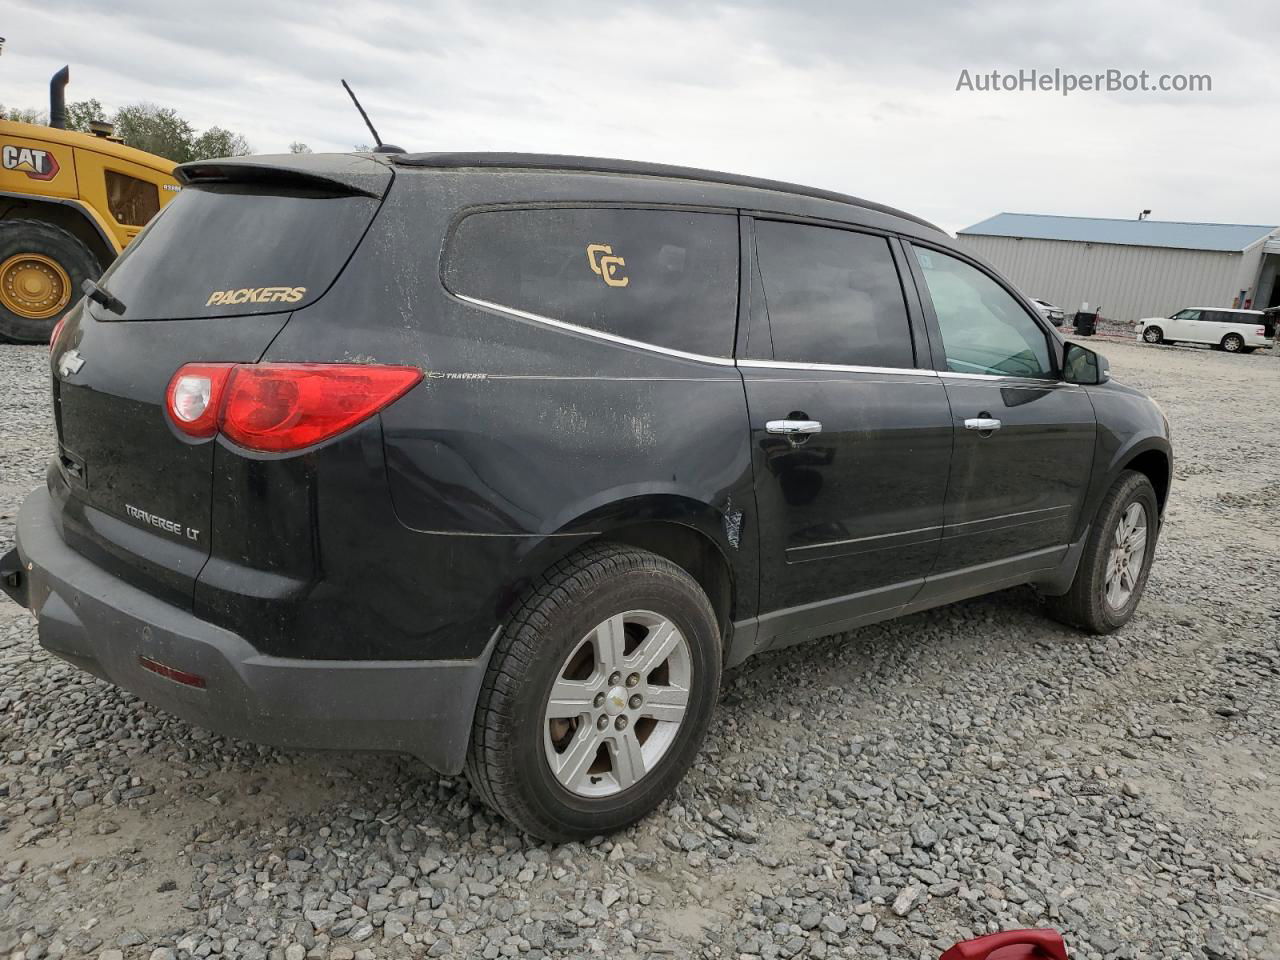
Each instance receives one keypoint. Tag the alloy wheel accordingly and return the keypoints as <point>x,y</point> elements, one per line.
<point>617,703</point>
<point>1124,561</point>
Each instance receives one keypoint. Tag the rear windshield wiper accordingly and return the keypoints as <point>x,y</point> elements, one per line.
<point>103,296</point>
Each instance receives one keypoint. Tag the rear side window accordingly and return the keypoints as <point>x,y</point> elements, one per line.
<point>130,200</point>
<point>234,249</point>
<point>667,278</point>
<point>833,296</point>
<point>1227,316</point>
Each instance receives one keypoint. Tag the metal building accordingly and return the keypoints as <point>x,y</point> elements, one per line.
<point>1132,268</point>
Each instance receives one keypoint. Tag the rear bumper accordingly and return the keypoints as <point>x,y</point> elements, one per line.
<point>107,627</point>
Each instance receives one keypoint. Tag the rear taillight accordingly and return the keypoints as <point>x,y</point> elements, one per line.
<point>57,329</point>
<point>1261,331</point>
<point>279,407</point>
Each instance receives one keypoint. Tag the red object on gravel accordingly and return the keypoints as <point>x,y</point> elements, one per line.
<point>1011,945</point>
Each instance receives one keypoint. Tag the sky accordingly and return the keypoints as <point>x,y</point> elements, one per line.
<point>858,97</point>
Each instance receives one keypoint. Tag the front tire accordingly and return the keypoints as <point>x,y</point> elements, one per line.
<point>598,696</point>
<point>1116,561</point>
<point>1153,335</point>
<point>41,270</point>
<point>1233,343</point>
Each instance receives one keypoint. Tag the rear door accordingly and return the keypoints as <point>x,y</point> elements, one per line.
<point>851,438</point>
<point>1024,438</point>
<point>213,279</point>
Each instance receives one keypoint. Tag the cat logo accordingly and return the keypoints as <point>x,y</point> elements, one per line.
<point>36,164</point>
<point>605,265</point>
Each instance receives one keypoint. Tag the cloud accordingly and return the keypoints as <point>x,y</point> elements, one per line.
<point>857,96</point>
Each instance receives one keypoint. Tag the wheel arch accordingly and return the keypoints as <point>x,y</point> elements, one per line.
<point>694,552</point>
<point>73,216</point>
<point>1156,465</point>
<point>709,544</point>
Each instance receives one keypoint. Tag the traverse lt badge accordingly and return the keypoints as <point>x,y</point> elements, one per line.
<point>70,363</point>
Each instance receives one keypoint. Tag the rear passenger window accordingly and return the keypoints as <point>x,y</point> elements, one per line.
<point>833,296</point>
<point>666,278</point>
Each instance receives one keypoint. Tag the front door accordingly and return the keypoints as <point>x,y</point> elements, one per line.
<point>851,437</point>
<point>1024,439</point>
<point>1183,325</point>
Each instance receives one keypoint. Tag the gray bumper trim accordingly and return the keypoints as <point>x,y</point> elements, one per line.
<point>103,625</point>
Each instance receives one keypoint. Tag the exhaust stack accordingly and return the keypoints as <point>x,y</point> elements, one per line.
<point>58,99</point>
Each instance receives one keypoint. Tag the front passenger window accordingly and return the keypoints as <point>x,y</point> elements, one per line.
<point>984,329</point>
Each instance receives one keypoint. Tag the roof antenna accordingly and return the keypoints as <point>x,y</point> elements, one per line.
<point>381,147</point>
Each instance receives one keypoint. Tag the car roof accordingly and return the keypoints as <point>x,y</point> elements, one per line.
<point>575,164</point>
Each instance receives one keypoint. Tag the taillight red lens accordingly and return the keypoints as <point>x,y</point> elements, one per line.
<point>278,407</point>
<point>57,329</point>
<point>1261,331</point>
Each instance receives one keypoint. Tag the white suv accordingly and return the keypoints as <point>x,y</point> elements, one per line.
<point>1236,331</point>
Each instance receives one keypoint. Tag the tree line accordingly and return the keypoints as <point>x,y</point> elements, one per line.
<point>149,127</point>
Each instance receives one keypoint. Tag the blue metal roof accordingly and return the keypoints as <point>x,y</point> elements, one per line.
<point>1139,233</point>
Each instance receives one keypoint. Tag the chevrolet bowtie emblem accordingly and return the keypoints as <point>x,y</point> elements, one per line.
<point>70,363</point>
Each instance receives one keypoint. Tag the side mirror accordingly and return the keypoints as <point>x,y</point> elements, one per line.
<point>1082,365</point>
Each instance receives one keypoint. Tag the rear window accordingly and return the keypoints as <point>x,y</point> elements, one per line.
<point>233,249</point>
<point>667,278</point>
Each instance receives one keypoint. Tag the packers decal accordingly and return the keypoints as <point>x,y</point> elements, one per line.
<point>256,295</point>
<point>605,265</point>
<point>36,164</point>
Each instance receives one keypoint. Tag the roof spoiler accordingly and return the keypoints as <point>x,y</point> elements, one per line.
<point>341,173</point>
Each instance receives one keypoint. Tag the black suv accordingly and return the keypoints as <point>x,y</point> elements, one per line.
<point>500,460</point>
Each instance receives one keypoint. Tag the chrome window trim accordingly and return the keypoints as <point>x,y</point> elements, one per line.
<point>836,367</point>
<point>588,332</point>
<point>951,375</point>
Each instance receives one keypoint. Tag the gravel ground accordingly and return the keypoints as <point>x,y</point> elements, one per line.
<point>879,794</point>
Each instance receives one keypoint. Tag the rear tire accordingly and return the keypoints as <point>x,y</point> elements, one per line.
<point>558,639</point>
<point>1153,335</point>
<point>1233,343</point>
<point>1090,604</point>
<point>41,270</point>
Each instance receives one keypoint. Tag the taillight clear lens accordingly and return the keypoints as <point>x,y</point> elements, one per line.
<point>194,395</point>
<point>191,397</point>
<point>279,407</point>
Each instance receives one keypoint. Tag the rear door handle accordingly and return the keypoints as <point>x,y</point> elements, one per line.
<point>792,427</point>
<point>982,424</point>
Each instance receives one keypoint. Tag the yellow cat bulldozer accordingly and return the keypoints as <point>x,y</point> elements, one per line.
<point>69,203</point>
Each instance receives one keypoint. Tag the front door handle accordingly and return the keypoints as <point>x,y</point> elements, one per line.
<point>982,424</point>
<point>790,428</point>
